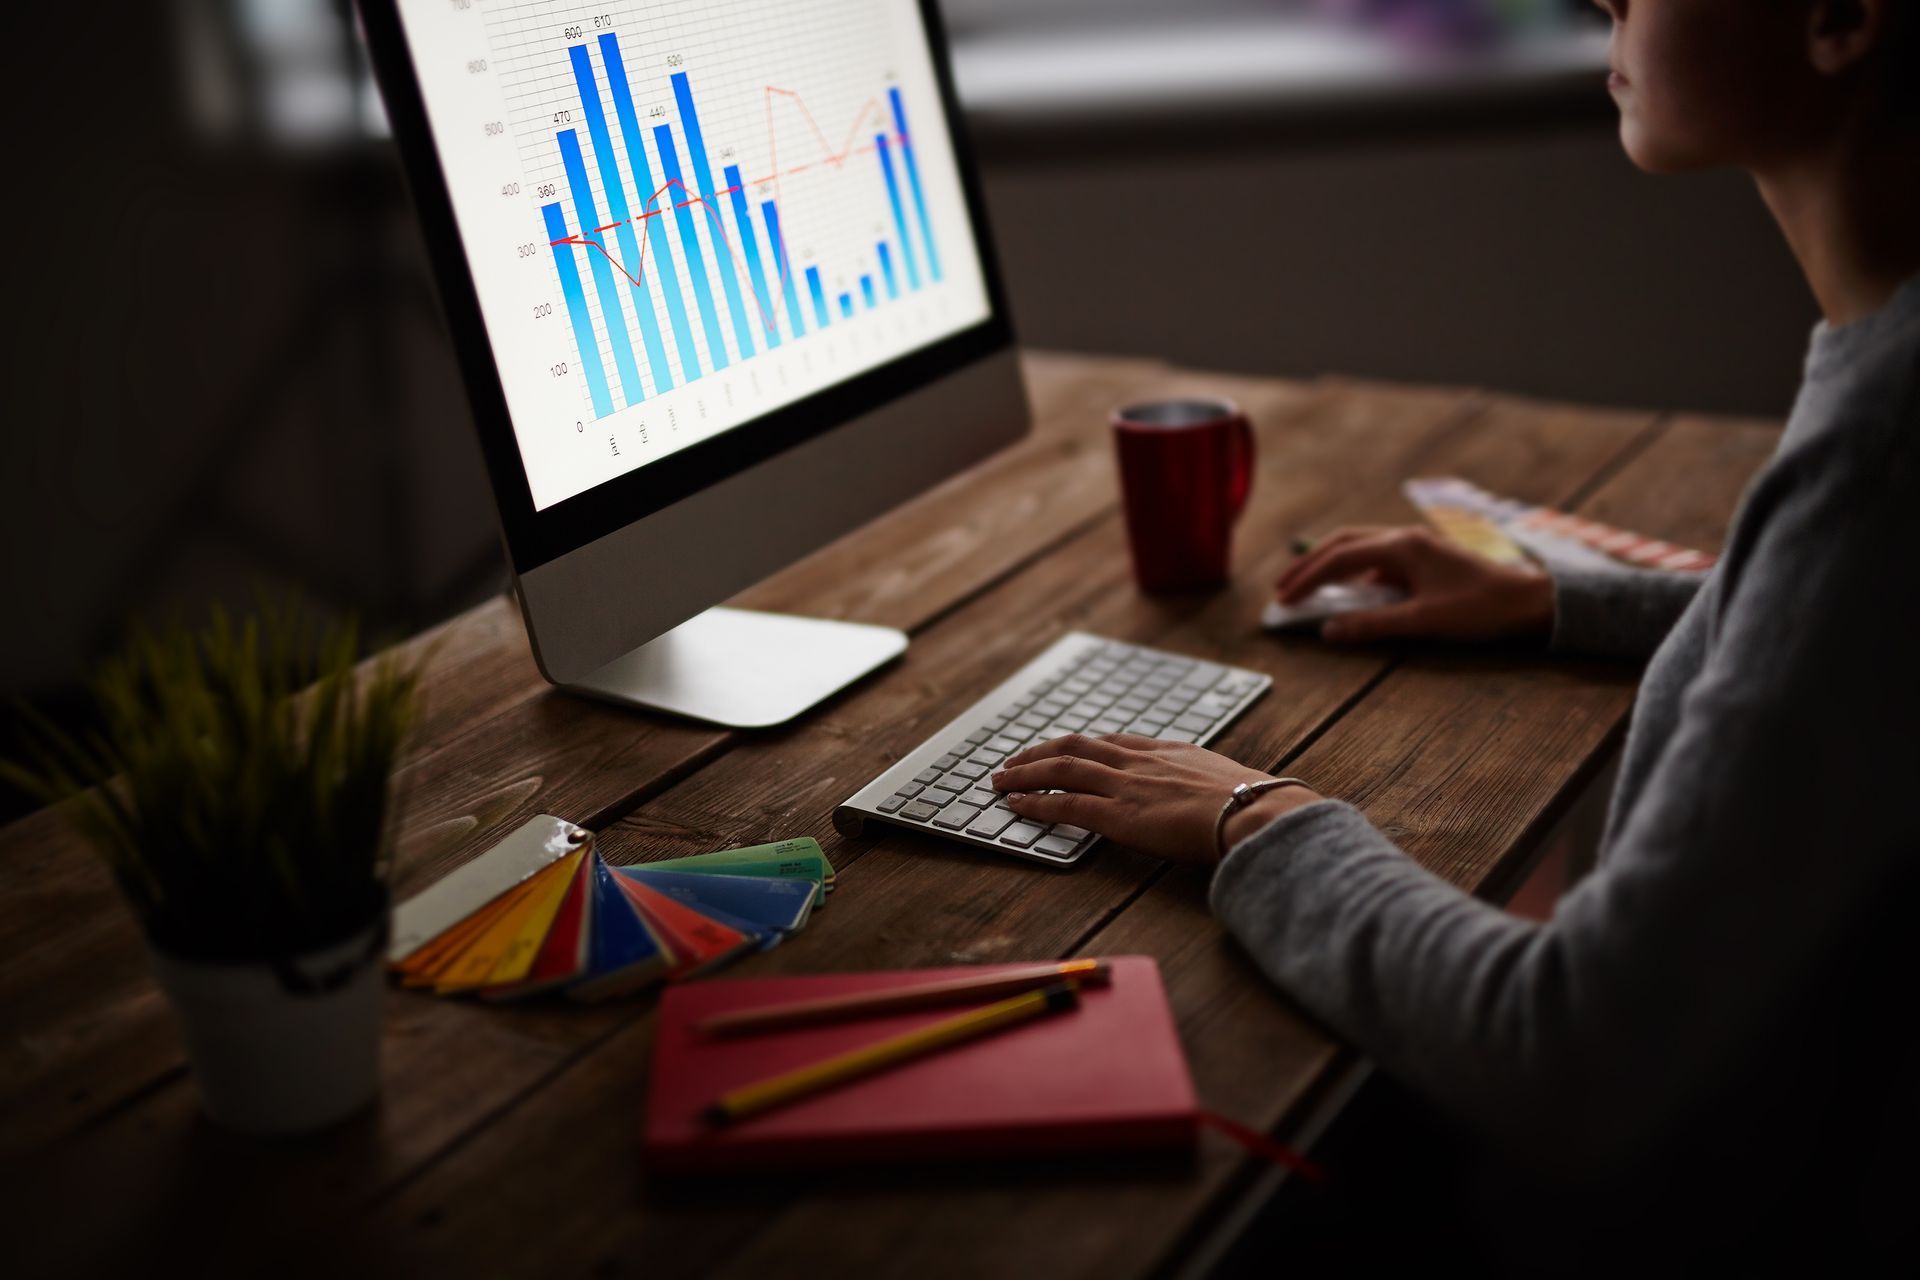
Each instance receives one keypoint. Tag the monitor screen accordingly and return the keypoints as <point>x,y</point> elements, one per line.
<point>683,216</point>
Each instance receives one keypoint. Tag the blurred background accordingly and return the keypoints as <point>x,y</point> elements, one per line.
<point>227,370</point>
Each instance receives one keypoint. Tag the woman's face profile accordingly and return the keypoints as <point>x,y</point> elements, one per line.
<point>1703,83</point>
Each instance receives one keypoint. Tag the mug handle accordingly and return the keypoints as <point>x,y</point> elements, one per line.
<point>1241,483</point>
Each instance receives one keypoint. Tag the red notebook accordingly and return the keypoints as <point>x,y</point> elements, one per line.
<point>1107,1076</point>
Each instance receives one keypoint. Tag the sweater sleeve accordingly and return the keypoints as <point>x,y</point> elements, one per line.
<point>1766,831</point>
<point>1617,613</point>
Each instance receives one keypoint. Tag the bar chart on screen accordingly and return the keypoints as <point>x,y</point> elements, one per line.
<point>703,210</point>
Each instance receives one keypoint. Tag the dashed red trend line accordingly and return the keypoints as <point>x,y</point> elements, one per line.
<point>782,269</point>
<point>637,278</point>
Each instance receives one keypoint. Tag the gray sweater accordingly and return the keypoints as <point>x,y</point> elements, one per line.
<point>1740,967</point>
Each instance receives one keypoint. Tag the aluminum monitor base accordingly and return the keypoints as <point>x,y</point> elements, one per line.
<point>742,669</point>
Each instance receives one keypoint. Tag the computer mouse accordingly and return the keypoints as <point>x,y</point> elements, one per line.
<point>1324,603</point>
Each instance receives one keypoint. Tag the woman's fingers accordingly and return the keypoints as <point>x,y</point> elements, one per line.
<point>1332,542</point>
<point>1385,551</point>
<point>1095,813</point>
<point>1060,773</point>
<point>1111,750</point>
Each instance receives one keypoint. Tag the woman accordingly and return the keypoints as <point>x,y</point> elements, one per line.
<point>1730,973</point>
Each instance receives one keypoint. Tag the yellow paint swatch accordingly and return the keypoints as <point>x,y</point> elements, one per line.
<point>1476,533</point>
<point>476,964</point>
<point>524,947</point>
<point>437,953</point>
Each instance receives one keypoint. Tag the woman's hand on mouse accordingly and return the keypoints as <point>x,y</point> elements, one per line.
<point>1452,593</point>
<point>1158,797</point>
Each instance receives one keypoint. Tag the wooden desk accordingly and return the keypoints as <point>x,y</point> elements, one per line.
<point>505,1137</point>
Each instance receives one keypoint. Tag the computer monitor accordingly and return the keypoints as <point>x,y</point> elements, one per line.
<point>721,289</point>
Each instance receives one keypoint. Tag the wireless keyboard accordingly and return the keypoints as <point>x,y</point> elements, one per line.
<point>1081,684</point>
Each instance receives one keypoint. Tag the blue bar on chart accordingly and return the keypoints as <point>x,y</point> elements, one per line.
<point>899,210</point>
<point>587,215</point>
<point>577,312</point>
<point>846,306</point>
<point>866,290</point>
<point>703,176</point>
<point>750,249</point>
<point>681,200</point>
<point>657,245</point>
<point>819,296</point>
<point>913,180</point>
<point>619,214</point>
<point>782,267</point>
<point>886,269</point>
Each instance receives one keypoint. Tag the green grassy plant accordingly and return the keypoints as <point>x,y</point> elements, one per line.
<point>239,783</point>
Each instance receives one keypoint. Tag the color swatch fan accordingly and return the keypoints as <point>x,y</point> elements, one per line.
<point>542,913</point>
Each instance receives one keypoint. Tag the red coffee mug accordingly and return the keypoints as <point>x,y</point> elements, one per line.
<point>1186,467</point>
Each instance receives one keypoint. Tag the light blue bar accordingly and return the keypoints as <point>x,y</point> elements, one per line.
<point>866,290</point>
<point>750,247</point>
<point>886,269</point>
<point>682,201</point>
<point>703,175</point>
<point>782,267</point>
<point>618,212</point>
<point>899,210</point>
<point>577,311</point>
<point>913,180</point>
<point>588,216</point>
<point>846,306</point>
<point>819,296</point>
<point>657,247</point>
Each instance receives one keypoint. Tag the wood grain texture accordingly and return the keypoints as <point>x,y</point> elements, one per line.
<point>497,745</point>
<point>505,1137</point>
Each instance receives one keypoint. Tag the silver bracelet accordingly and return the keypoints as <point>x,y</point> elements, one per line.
<point>1240,797</point>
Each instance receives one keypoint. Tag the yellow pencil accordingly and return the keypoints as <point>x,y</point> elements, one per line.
<point>751,1100</point>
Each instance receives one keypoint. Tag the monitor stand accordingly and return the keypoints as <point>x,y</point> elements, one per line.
<point>743,669</point>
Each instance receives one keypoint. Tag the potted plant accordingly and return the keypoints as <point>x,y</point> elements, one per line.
<point>238,787</point>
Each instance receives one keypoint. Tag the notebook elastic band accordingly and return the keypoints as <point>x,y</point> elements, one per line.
<point>1266,1148</point>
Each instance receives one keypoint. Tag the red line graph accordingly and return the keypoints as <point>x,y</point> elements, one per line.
<point>836,159</point>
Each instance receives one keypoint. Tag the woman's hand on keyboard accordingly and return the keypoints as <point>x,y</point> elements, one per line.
<point>1159,797</point>
<point>1452,594</point>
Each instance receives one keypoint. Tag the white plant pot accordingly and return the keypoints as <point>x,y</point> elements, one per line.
<point>283,1049</point>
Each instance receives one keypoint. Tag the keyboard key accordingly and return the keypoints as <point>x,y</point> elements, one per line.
<point>1015,711</point>
<point>919,811</point>
<point>1019,734</point>
<point>1106,726</point>
<point>1132,705</point>
<point>1078,688</point>
<point>991,823</point>
<point>1056,844</point>
<point>982,797</point>
<point>969,771</point>
<point>892,804</point>
<point>926,775</point>
<point>1194,724</point>
<point>977,737</point>
<point>1066,832</point>
<point>946,761</point>
<point>986,757</point>
<point>1051,706</point>
<point>1003,744</point>
<point>1073,724</point>
<point>956,816</point>
<point>911,790</point>
<point>1021,834</point>
<point>1097,700</point>
<point>946,787</point>
<point>996,724</point>
<point>1147,727</point>
<point>1034,720</point>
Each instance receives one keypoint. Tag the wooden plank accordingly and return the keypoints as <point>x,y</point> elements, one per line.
<point>907,901</point>
<point>475,775</point>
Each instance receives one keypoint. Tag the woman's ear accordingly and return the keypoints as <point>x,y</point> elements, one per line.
<point>1842,32</point>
